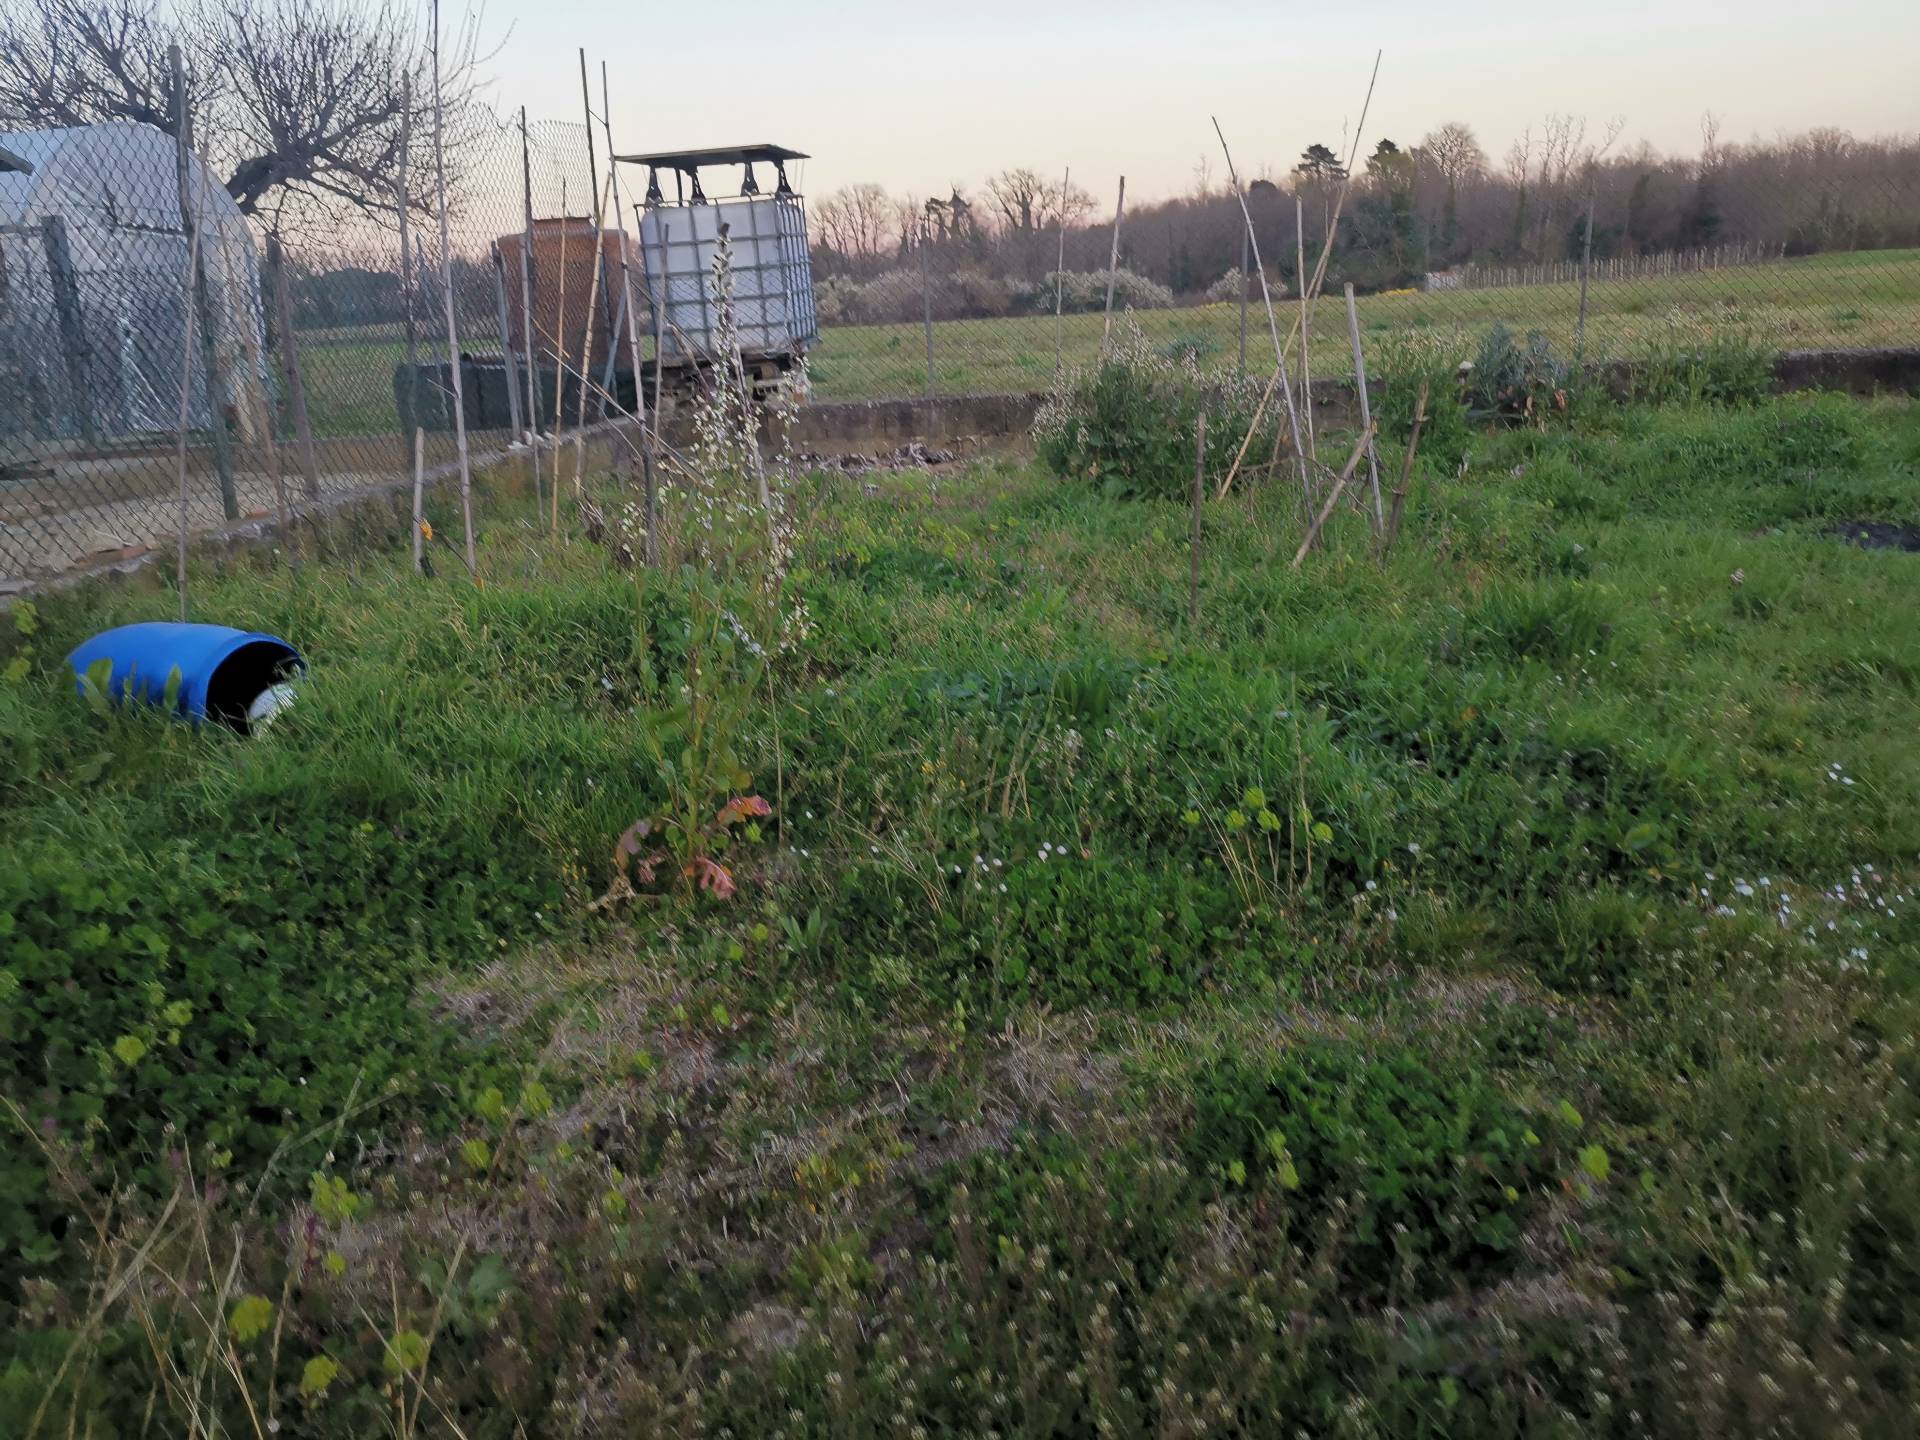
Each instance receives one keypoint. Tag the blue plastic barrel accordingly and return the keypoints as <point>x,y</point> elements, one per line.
<point>222,670</point>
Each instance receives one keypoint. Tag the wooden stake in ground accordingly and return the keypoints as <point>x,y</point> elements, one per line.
<point>586,334</point>
<point>1333,497</point>
<point>602,274</point>
<point>1306,323</point>
<point>648,436</point>
<point>1406,473</point>
<point>1346,184</point>
<point>528,352</point>
<point>1586,272</point>
<point>446,291</point>
<point>926,296</point>
<point>560,358</point>
<point>419,481</point>
<point>1060,276</point>
<point>1199,497</point>
<point>1113,263</point>
<point>1366,411</point>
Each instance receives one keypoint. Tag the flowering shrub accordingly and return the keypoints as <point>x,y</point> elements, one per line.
<point>901,296</point>
<point>1126,423</point>
<point>1226,290</point>
<point>1085,290</point>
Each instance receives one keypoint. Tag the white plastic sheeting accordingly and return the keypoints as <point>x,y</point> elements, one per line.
<point>116,189</point>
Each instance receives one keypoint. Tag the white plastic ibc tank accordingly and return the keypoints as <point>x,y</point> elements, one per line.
<point>772,273</point>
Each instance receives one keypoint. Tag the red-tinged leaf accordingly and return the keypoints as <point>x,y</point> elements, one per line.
<point>712,877</point>
<point>740,808</point>
<point>628,844</point>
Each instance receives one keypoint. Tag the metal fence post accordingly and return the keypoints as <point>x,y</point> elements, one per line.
<point>926,300</point>
<point>290,366</point>
<point>506,338</point>
<point>12,372</point>
<point>74,349</point>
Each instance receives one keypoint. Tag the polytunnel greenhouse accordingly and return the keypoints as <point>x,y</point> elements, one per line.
<point>94,302</point>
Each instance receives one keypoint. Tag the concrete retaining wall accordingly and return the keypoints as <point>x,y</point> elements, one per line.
<point>380,509</point>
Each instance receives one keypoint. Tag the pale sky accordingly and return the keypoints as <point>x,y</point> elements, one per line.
<point>918,97</point>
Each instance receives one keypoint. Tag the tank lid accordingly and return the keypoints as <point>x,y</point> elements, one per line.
<point>720,155</point>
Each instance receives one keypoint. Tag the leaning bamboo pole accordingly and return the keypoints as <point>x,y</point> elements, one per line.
<point>1319,274</point>
<point>1306,322</point>
<point>1273,326</point>
<point>648,549</point>
<point>446,292</point>
<point>1060,275</point>
<point>586,338</point>
<point>1113,263</point>
<point>1366,410</point>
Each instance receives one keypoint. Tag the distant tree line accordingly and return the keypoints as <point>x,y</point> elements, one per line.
<point>1411,209</point>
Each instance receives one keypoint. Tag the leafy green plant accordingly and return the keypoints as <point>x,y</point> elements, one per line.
<point>1516,382</point>
<point>1127,423</point>
<point>1691,364</point>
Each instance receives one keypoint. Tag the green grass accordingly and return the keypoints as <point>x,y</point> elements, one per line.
<point>1474,995</point>
<point>1853,300</point>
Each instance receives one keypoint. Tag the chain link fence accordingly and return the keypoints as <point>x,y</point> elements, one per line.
<point>149,328</point>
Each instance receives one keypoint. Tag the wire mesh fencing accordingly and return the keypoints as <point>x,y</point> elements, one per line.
<point>172,364</point>
<point>993,310</point>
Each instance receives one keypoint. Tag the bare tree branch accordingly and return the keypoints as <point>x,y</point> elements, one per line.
<point>298,103</point>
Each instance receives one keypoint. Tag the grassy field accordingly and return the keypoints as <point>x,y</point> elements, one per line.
<point>1472,995</point>
<point>1871,298</point>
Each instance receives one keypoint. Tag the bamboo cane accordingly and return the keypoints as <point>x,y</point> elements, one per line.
<point>1273,328</point>
<point>648,548</point>
<point>1366,410</point>
<point>1306,323</point>
<point>419,477</point>
<point>1199,488</point>
<point>1060,276</point>
<point>586,337</point>
<point>1113,263</point>
<point>560,359</point>
<point>1406,473</point>
<point>531,355</point>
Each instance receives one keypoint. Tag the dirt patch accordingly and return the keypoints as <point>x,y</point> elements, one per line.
<point>911,456</point>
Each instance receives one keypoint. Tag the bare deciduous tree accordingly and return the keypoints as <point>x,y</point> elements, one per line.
<point>1452,152</point>
<point>1019,197</point>
<point>1027,202</point>
<point>296,102</point>
<point>857,222</point>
